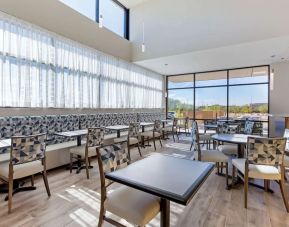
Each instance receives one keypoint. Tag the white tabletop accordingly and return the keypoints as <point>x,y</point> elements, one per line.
<point>232,138</point>
<point>146,123</point>
<point>72,133</point>
<point>117,127</point>
<point>5,143</point>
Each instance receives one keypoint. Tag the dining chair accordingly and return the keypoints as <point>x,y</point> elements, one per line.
<point>215,156</point>
<point>133,137</point>
<point>264,160</point>
<point>133,205</point>
<point>94,139</point>
<point>228,149</point>
<point>27,158</point>
<point>156,133</point>
<point>248,128</point>
<point>184,125</point>
<point>286,155</point>
<point>172,129</point>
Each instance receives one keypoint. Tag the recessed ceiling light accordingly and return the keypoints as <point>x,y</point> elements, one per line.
<point>166,64</point>
<point>282,58</point>
<point>273,56</point>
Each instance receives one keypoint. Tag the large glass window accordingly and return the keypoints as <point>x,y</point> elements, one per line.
<point>233,93</point>
<point>115,15</point>
<point>181,103</point>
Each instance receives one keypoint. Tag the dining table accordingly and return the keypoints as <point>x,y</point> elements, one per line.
<point>167,177</point>
<point>117,128</point>
<point>240,140</point>
<point>76,133</point>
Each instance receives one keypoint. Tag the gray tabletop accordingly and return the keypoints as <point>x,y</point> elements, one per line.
<point>232,138</point>
<point>117,127</point>
<point>146,123</point>
<point>5,143</point>
<point>165,176</point>
<point>72,133</point>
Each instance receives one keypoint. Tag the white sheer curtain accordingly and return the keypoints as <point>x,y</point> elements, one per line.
<point>41,69</point>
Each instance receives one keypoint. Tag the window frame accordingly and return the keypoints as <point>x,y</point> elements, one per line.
<point>126,23</point>
<point>228,85</point>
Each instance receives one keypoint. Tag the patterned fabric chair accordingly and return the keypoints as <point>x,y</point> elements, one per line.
<point>264,160</point>
<point>207,155</point>
<point>249,126</point>
<point>156,133</point>
<point>184,124</point>
<point>135,206</point>
<point>172,129</point>
<point>27,157</point>
<point>286,155</point>
<point>224,128</point>
<point>94,139</point>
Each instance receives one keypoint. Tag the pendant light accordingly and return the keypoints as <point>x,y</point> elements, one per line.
<point>143,47</point>
<point>100,21</point>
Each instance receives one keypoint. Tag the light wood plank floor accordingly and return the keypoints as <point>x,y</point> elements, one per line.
<point>75,201</point>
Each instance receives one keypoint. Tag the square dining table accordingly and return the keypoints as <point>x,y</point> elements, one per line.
<point>117,128</point>
<point>170,178</point>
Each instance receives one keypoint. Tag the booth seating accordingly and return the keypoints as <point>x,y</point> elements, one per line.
<point>57,146</point>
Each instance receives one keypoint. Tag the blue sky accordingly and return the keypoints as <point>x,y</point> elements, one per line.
<point>113,15</point>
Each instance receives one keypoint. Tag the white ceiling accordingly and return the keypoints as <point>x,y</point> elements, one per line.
<point>202,35</point>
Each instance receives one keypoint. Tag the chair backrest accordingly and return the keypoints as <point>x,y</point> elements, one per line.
<point>286,135</point>
<point>27,148</point>
<point>110,158</point>
<point>95,137</point>
<point>266,151</point>
<point>249,126</point>
<point>175,122</point>
<point>133,130</point>
<point>158,126</point>
<point>195,139</point>
<point>225,128</point>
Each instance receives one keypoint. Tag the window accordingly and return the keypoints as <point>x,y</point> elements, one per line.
<point>181,102</point>
<point>211,103</point>
<point>181,81</point>
<point>86,8</point>
<point>115,15</point>
<point>43,70</point>
<point>233,93</point>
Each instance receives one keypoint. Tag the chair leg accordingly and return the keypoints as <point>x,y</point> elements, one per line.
<point>101,216</point>
<point>284,194</point>
<point>154,143</point>
<point>32,180</point>
<point>139,150</point>
<point>227,178</point>
<point>71,160</point>
<point>233,174</point>
<point>86,167</point>
<point>44,174</point>
<point>161,142</point>
<point>191,146</point>
<point>10,193</point>
<point>246,189</point>
<point>222,166</point>
<point>174,137</point>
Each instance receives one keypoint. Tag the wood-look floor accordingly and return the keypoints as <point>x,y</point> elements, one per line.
<point>75,201</point>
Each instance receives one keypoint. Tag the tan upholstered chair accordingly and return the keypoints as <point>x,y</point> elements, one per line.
<point>27,157</point>
<point>172,129</point>
<point>156,133</point>
<point>94,139</point>
<point>184,124</point>
<point>135,206</point>
<point>264,161</point>
<point>215,156</point>
<point>133,138</point>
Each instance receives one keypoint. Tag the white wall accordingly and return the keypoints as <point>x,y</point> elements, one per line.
<point>59,18</point>
<point>279,96</point>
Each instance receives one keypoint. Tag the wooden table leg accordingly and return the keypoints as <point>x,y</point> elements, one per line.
<point>165,213</point>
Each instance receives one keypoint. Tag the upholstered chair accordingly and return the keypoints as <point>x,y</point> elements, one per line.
<point>228,149</point>
<point>264,160</point>
<point>286,155</point>
<point>27,158</point>
<point>172,129</point>
<point>135,206</point>
<point>156,133</point>
<point>249,126</point>
<point>184,124</point>
<point>94,139</point>
<point>215,156</point>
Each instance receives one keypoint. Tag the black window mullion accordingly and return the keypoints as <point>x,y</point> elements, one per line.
<point>228,95</point>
